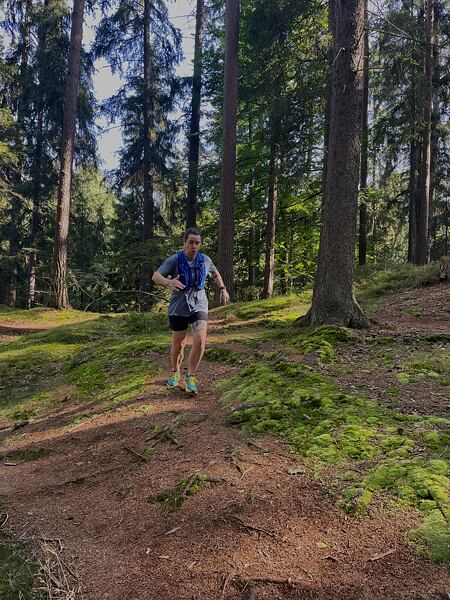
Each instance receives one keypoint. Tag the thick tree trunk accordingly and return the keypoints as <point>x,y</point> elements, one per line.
<point>60,293</point>
<point>269,263</point>
<point>422,241</point>
<point>194,133</point>
<point>326,131</point>
<point>148,174</point>
<point>228,175</point>
<point>333,298</point>
<point>362,246</point>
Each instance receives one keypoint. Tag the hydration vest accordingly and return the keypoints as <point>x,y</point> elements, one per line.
<point>186,272</point>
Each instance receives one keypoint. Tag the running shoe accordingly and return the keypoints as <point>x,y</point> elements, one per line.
<point>173,380</point>
<point>191,384</point>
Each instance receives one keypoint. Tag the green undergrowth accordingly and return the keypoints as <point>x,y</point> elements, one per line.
<point>174,498</point>
<point>362,449</point>
<point>45,315</point>
<point>28,454</point>
<point>272,312</point>
<point>323,340</point>
<point>422,365</point>
<point>371,284</point>
<point>220,353</point>
<point>18,572</point>
<point>107,360</point>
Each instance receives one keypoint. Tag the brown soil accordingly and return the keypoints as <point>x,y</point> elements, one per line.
<point>258,533</point>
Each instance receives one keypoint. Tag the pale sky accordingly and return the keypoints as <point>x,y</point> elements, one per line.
<point>106,84</point>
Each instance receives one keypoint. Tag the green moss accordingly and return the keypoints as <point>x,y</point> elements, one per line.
<point>323,340</point>
<point>333,430</point>
<point>222,354</point>
<point>28,454</point>
<point>432,537</point>
<point>435,366</point>
<point>18,572</point>
<point>372,285</point>
<point>174,498</point>
<point>413,310</point>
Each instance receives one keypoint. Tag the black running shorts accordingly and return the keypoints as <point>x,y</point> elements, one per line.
<point>181,323</point>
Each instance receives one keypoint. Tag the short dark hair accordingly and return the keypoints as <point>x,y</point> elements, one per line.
<point>191,231</point>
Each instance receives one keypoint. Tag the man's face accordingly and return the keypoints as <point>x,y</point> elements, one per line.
<point>192,246</point>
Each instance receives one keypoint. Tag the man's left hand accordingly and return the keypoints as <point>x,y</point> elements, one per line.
<point>224,297</point>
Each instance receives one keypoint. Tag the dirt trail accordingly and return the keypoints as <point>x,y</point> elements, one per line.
<point>91,493</point>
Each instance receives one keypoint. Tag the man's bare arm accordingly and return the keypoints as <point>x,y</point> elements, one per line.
<point>224,295</point>
<point>172,284</point>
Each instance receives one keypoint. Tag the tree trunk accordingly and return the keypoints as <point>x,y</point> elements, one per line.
<point>251,269</point>
<point>60,293</point>
<point>333,298</point>
<point>194,134</point>
<point>435,117</point>
<point>148,175</point>
<point>16,204</point>
<point>35,215</point>
<point>228,175</point>
<point>326,131</point>
<point>422,242</point>
<point>362,246</point>
<point>271,222</point>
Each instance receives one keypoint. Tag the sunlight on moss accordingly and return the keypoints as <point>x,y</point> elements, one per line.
<point>333,431</point>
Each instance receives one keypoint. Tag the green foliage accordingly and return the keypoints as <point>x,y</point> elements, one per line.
<point>222,354</point>
<point>373,284</point>
<point>18,572</point>
<point>322,340</point>
<point>98,359</point>
<point>335,431</point>
<point>435,366</point>
<point>28,454</point>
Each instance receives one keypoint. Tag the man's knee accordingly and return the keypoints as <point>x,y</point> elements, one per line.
<point>199,340</point>
<point>179,345</point>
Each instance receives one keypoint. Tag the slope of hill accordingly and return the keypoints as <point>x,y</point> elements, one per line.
<point>314,464</point>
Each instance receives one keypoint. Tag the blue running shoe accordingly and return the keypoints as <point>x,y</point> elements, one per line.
<point>191,384</point>
<point>173,380</point>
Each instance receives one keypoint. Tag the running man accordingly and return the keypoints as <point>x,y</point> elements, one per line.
<point>188,269</point>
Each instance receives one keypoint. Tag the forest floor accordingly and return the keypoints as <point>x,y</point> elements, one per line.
<point>126,490</point>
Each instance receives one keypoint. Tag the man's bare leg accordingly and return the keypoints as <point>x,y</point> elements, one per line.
<point>199,329</point>
<point>177,349</point>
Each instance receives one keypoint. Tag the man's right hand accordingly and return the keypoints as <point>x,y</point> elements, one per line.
<point>175,284</point>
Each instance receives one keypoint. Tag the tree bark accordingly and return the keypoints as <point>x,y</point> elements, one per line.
<point>435,117</point>
<point>362,246</point>
<point>148,174</point>
<point>326,131</point>
<point>194,133</point>
<point>422,241</point>
<point>60,293</point>
<point>333,298</point>
<point>35,215</point>
<point>16,204</point>
<point>228,174</point>
<point>271,222</point>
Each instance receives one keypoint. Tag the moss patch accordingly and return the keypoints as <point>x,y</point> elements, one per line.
<point>28,454</point>
<point>362,449</point>
<point>174,498</point>
<point>95,360</point>
<point>18,572</point>
<point>222,354</point>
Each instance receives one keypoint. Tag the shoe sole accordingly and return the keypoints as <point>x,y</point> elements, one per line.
<point>191,393</point>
